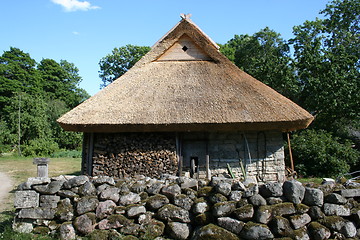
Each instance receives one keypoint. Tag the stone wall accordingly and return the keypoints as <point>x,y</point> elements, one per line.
<point>184,208</point>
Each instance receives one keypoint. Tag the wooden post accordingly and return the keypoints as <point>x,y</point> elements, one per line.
<point>208,172</point>
<point>178,155</point>
<point>290,153</point>
<point>192,167</point>
<point>89,159</point>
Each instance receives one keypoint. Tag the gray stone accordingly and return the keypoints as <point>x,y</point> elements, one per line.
<point>251,190</point>
<point>183,201</point>
<point>263,215</point>
<point>318,231</point>
<point>348,229</point>
<point>155,188</point>
<point>235,196</point>
<point>178,231</point>
<point>99,180</point>
<point>67,194</point>
<point>301,234</point>
<point>145,218</point>
<point>299,221</point>
<point>186,182</point>
<point>200,207</point>
<point>349,193</point>
<point>111,193</point>
<point>171,191</point>
<point>138,187</point>
<point>157,201</point>
<point>26,199</point>
<point>130,198</point>
<point>233,225</point>
<point>67,231</point>
<point>315,213</point>
<point>256,231</point>
<point>271,189</point>
<point>75,181</point>
<point>173,213</point>
<point>257,200</point>
<point>135,211</point>
<point>102,187</point>
<point>280,226</point>
<point>23,227</point>
<point>283,209</point>
<point>217,180</point>
<point>65,210</point>
<point>37,213</point>
<point>212,231</point>
<point>49,201</point>
<point>244,213</point>
<point>223,188</point>
<point>274,200</point>
<point>313,197</point>
<point>294,191</point>
<point>85,224</point>
<point>105,209</point>
<point>87,189</point>
<point>192,194</point>
<point>217,198</point>
<point>50,188</point>
<point>335,209</point>
<point>34,181</point>
<point>86,204</point>
<point>223,209</point>
<point>335,199</point>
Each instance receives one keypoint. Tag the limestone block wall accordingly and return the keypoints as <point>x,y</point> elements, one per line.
<point>183,208</point>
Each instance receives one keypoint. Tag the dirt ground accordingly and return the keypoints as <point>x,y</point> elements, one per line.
<point>6,186</point>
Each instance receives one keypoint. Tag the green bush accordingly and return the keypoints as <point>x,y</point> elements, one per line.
<point>39,147</point>
<point>318,153</point>
<point>66,154</point>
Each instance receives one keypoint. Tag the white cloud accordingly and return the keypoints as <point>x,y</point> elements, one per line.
<point>75,5</point>
<point>75,33</point>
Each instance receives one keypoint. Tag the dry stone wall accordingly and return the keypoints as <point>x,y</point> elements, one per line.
<point>184,208</point>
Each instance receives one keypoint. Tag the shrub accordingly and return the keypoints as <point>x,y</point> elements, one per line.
<point>39,147</point>
<point>318,153</point>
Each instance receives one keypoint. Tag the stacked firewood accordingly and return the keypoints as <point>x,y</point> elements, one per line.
<point>130,154</point>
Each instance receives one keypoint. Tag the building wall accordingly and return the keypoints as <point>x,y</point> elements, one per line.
<point>151,154</point>
<point>261,154</point>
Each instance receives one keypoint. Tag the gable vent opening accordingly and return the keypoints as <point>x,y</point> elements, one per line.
<point>184,48</point>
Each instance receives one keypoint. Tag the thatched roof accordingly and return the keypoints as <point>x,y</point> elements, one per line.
<point>185,84</point>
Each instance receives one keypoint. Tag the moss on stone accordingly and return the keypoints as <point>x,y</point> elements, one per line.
<point>199,200</point>
<point>203,218</point>
<point>41,230</point>
<point>299,233</point>
<point>154,229</point>
<point>205,191</point>
<point>280,209</point>
<point>214,232</point>
<point>301,208</point>
<point>129,237</point>
<point>98,234</point>
<point>114,218</point>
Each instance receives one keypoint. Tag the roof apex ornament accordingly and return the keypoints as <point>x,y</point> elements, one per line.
<point>185,16</point>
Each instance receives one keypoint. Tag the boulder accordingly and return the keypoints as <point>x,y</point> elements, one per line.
<point>183,201</point>
<point>235,196</point>
<point>263,214</point>
<point>155,188</point>
<point>313,197</point>
<point>153,229</point>
<point>335,199</point>
<point>178,231</point>
<point>65,210</point>
<point>85,223</point>
<point>256,231</point>
<point>67,231</point>
<point>75,181</point>
<point>223,209</point>
<point>23,226</point>
<point>49,201</point>
<point>86,204</point>
<point>223,188</point>
<point>217,198</point>
<point>349,193</point>
<point>51,188</point>
<point>87,189</point>
<point>271,189</point>
<point>335,209</point>
<point>99,180</point>
<point>37,213</point>
<point>244,213</point>
<point>26,199</point>
<point>318,231</point>
<point>299,221</point>
<point>110,193</point>
<point>157,201</point>
<point>283,209</point>
<point>233,225</point>
<point>251,190</point>
<point>171,191</point>
<point>301,234</point>
<point>281,227</point>
<point>129,198</point>
<point>257,200</point>
<point>34,181</point>
<point>212,231</point>
<point>186,182</point>
<point>105,209</point>
<point>134,211</point>
<point>294,191</point>
<point>200,207</point>
<point>315,213</point>
<point>173,213</point>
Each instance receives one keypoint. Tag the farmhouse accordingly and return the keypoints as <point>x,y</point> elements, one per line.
<point>184,108</point>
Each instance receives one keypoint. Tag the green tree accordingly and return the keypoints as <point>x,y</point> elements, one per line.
<point>17,74</point>
<point>121,59</point>
<point>327,54</point>
<point>265,56</point>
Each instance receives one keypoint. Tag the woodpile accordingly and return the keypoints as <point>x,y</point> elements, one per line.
<point>130,154</point>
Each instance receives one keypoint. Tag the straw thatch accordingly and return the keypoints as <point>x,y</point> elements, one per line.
<point>159,94</point>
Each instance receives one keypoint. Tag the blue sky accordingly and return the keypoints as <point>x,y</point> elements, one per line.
<point>82,32</point>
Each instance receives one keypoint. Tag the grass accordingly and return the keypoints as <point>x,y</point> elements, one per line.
<point>19,169</point>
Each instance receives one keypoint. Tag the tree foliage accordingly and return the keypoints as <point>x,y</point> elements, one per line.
<point>33,96</point>
<point>121,59</point>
